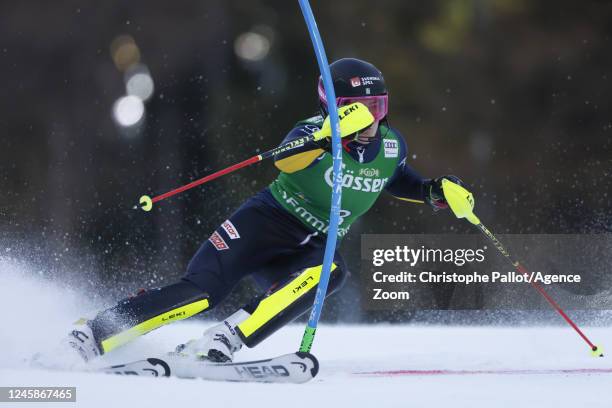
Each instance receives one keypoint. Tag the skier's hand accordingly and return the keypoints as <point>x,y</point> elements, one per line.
<point>352,119</point>
<point>324,144</point>
<point>434,194</point>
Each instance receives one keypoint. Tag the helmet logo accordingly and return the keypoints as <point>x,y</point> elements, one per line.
<point>359,81</point>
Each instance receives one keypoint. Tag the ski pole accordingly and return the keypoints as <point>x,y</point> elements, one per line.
<point>461,203</point>
<point>352,118</point>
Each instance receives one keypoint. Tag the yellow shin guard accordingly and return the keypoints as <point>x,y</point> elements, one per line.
<point>285,304</point>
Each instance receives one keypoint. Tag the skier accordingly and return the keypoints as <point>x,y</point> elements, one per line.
<point>278,235</point>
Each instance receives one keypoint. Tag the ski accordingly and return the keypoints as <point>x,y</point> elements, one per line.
<point>289,368</point>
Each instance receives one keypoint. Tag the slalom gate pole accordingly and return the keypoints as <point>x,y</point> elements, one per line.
<point>332,234</point>
<point>461,203</point>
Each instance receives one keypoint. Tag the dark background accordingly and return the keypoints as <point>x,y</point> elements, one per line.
<point>513,96</point>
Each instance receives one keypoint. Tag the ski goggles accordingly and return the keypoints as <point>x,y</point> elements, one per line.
<point>377,104</point>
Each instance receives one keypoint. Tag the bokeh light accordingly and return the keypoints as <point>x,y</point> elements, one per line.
<point>252,46</point>
<point>139,83</point>
<point>128,110</point>
<point>125,52</point>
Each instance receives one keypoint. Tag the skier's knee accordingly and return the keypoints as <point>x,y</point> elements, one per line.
<point>205,277</point>
<point>342,274</point>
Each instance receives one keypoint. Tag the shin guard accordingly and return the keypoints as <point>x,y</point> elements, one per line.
<point>285,304</point>
<point>150,309</point>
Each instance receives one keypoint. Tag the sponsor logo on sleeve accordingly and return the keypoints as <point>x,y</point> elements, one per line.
<point>218,241</point>
<point>391,148</point>
<point>230,229</point>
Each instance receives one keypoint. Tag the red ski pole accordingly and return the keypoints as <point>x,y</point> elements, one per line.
<point>146,202</point>
<point>353,118</point>
<point>461,203</point>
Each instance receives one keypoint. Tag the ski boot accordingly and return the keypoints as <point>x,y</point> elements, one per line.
<point>75,350</point>
<point>218,343</point>
<point>82,341</point>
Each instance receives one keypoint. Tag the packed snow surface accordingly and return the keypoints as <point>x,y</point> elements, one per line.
<point>523,366</point>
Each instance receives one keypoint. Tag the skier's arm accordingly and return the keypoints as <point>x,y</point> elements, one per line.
<point>406,184</point>
<point>300,157</point>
